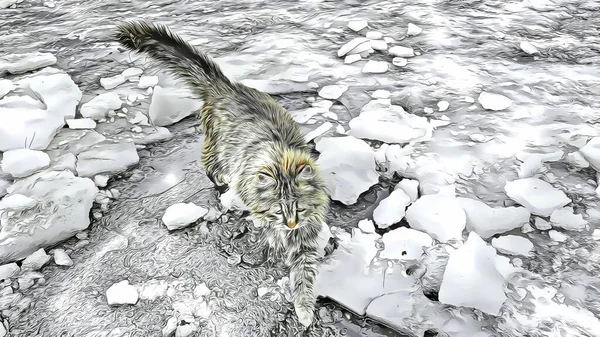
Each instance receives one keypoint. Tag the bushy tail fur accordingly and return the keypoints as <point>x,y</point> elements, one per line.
<point>198,70</point>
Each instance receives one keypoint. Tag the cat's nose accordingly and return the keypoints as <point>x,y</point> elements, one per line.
<point>291,223</point>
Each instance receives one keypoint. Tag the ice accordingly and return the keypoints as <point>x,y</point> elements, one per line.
<point>132,73</point>
<point>357,25</point>
<point>413,30</point>
<point>61,258</point>
<point>378,45</point>
<point>21,102</point>
<point>231,201</point>
<point>536,195</point>
<point>27,128</point>
<point>318,131</point>
<point>471,278</point>
<point>81,123</point>
<point>375,67</point>
<point>170,105</point>
<point>22,163</point>
<point>112,82</point>
<point>65,202</point>
<point>347,173</point>
<point>596,234</point>
<point>400,51</point>
<point>494,102</point>
<point>9,270</point>
<point>183,214</point>
<point>58,91</point>
<point>410,187</point>
<point>374,35</point>
<point>577,160</point>
<point>107,158</point>
<point>366,226</point>
<point>6,4</point>
<point>528,48</point>
<point>318,108</point>
<point>565,218</point>
<point>6,86</point>
<point>35,260</point>
<point>380,120</point>
<point>352,58</point>
<point>4,184</point>
<point>404,244</point>
<point>488,221</point>
<point>541,224</point>
<point>440,216</point>
<point>399,61</point>
<point>122,293</point>
<point>591,152</point>
<point>147,81</point>
<point>391,209</point>
<point>443,105</point>
<point>380,94</point>
<point>17,202</point>
<point>333,91</point>
<point>201,290</point>
<point>513,245</point>
<point>350,45</point>
<point>22,63</point>
<point>99,106</point>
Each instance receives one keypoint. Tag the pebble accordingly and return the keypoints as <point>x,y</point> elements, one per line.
<point>399,61</point>
<point>413,30</point>
<point>375,67</point>
<point>373,35</point>
<point>443,105</point>
<point>352,58</point>
<point>122,293</point>
<point>357,25</point>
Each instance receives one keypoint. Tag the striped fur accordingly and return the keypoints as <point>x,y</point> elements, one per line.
<point>253,145</point>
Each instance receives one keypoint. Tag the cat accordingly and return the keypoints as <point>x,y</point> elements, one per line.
<point>252,144</point>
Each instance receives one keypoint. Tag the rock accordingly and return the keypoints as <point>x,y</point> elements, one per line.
<point>494,102</point>
<point>378,45</point>
<point>9,271</point>
<point>22,163</point>
<point>332,91</point>
<point>112,82</point>
<point>400,51</point>
<point>471,278</point>
<point>352,58</point>
<point>366,226</point>
<point>374,35</point>
<point>440,216</point>
<point>6,86</point>
<point>122,293</point>
<point>81,123</point>
<point>170,327</point>
<point>399,61</point>
<point>405,244</point>
<point>410,187</point>
<point>375,67</point>
<point>98,107</point>
<point>380,120</point>
<point>349,46</point>
<point>443,105</point>
<point>357,25</point>
<point>565,218</point>
<point>528,48</point>
<point>181,215</point>
<point>66,201</point>
<point>591,152</point>
<point>107,158</point>
<point>147,81</point>
<point>132,73</point>
<point>391,209</point>
<point>22,63</point>
<point>413,30</point>
<point>36,260</point>
<point>381,94</point>
<point>541,224</point>
<point>536,195</point>
<point>513,245</point>
<point>488,221</point>
<point>170,105</point>
<point>318,131</point>
<point>348,166</point>
<point>61,258</point>
<point>557,236</point>
<point>59,93</point>
<point>17,202</point>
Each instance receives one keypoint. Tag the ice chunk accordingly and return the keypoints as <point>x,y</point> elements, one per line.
<point>399,61</point>
<point>410,187</point>
<point>541,224</point>
<point>181,215</point>
<point>380,120</point>
<point>566,218</point>
<point>346,48</point>
<point>378,45</point>
<point>17,202</point>
<point>352,58</point>
<point>471,278</point>
<point>201,290</point>
<point>132,73</point>
<point>21,102</point>
<point>36,260</point>
<point>366,226</point>
<point>332,91</point>
<point>348,167</point>
<point>375,67</point>
<point>58,91</point>
<point>413,30</point>
<point>404,244</point>
<point>147,81</point>
<point>27,128</point>
<point>122,293</point>
<point>318,131</point>
<point>557,236</point>
<point>6,86</point>
<point>443,105</point>
<point>99,106</point>
<point>112,82</point>
<point>67,202</point>
<point>9,270</point>
<point>107,158</point>
<point>513,245</point>
<point>373,35</point>
<point>487,221</point>
<point>391,209</point>
<point>536,195</point>
<point>528,48</point>
<point>591,152</point>
<point>61,258</point>
<point>21,63</point>
<point>380,94</point>
<point>577,160</point>
<point>357,25</point>
<point>441,216</point>
<point>400,51</point>
<point>170,105</point>
<point>495,102</point>
<point>81,123</point>
<point>24,162</point>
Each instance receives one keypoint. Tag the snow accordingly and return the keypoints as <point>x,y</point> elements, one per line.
<point>99,106</point>
<point>528,48</point>
<point>112,82</point>
<point>374,35</point>
<point>81,123</point>
<point>591,152</point>
<point>67,202</point>
<point>352,58</point>
<point>350,45</point>
<point>61,258</point>
<point>24,162</point>
<point>439,215</point>
<point>6,86</point>
<point>404,244</point>
<point>471,278</point>
<point>488,221</point>
<point>170,105</point>
<point>35,260</point>
<point>494,102</point>
<point>58,91</point>
<point>348,173</point>
<point>22,63</point>
<point>413,30</point>
<point>122,293</point>
<point>400,51</point>
<point>333,91</point>
<point>391,209</point>
<point>147,81</point>
<point>410,187</point>
<point>380,120</point>
<point>107,158</point>
<point>357,25</point>
<point>536,195</point>
<point>513,245</point>
<point>399,61</point>
<point>375,67</point>
<point>183,214</point>
<point>565,218</point>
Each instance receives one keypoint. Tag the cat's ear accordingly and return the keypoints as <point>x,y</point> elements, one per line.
<point>264,178</point>
<point>306,171</point>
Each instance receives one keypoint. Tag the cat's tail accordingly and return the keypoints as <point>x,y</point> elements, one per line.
<point>170,50</point>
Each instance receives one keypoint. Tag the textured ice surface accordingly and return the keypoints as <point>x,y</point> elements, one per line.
<point>24,162</point>
<point>439,215</point>
<point>536,195</point>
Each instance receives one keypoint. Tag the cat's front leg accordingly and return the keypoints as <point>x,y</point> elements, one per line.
<point>303,262</point>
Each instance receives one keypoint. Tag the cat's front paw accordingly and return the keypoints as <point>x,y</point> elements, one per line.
<point>305,315</point>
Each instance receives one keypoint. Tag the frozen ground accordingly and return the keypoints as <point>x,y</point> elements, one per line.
<point>501,192</point>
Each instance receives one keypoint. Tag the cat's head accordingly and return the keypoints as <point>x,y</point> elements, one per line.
<point>287,191</point>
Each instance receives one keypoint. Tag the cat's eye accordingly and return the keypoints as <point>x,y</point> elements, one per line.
<point>263,177</point>
<point>278,212</point>
<point>306,170</point>
<point>300,210</point>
